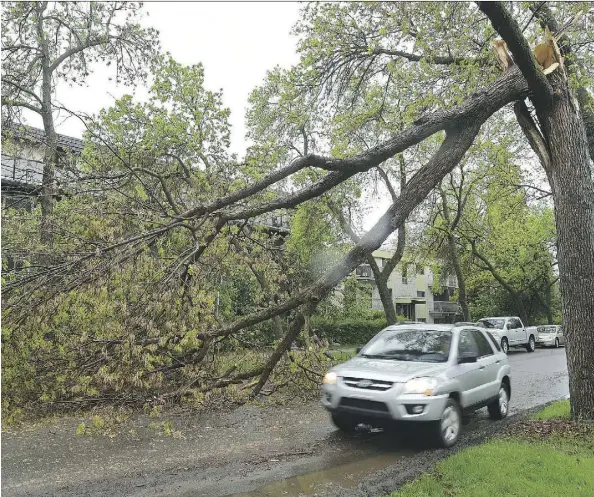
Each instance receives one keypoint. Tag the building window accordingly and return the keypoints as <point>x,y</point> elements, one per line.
<point>420,294</point>
<point>404,279</point>
<point>363,271</point>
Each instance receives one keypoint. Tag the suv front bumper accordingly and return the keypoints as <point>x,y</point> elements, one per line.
<point>390,404</point>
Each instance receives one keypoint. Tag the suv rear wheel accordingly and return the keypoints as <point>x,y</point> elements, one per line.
<point>344,423</point>
<point>499,408</point>
<point>504,345</point>
<point>531,345</point>
<point>449,426</point>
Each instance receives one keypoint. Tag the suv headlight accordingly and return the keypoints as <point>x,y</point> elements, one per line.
<point>330,378</point>
<point>424,385</point>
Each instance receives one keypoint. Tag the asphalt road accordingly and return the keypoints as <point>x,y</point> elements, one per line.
<point>261,451</point>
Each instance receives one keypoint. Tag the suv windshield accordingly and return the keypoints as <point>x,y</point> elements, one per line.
<point>410,345</point>
<point>493,323</point>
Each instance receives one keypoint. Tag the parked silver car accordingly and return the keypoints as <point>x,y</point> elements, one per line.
<point>550,336</point>
<point>422,373</point>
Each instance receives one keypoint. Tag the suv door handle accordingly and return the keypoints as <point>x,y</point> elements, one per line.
<point>482,367</point>
<point>498,361</point>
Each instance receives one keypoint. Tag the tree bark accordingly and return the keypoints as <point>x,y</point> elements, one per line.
<point>570,177</point>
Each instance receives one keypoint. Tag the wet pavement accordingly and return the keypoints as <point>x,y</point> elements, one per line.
<point>251,451</point>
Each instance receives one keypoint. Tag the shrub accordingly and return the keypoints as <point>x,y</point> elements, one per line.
<point>349,332</point>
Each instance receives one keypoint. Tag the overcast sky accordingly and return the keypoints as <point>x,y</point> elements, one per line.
<point>236,42</point>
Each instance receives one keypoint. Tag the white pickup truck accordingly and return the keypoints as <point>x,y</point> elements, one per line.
<point>510,332</point>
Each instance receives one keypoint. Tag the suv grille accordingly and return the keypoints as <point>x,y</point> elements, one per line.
<point>369,405</point>
<point>366,384</point>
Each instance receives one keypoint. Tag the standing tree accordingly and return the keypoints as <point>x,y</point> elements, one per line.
<point>560,141</point>
<point>46,44</point>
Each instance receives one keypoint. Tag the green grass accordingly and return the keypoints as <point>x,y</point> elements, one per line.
<point>556,410</point>
<point>559,465</point>
<point>510,468</point>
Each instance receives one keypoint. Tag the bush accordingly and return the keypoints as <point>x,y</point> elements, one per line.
<point>349,332</point>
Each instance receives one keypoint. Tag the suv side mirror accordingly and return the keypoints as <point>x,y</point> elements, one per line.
<point>467,357</point>
<point>358,349</point>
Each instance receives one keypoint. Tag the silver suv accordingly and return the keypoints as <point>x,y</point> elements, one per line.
<point>420,372</point>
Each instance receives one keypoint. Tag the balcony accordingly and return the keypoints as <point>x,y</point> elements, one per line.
<point>438,307</point>
<point>363,272</point>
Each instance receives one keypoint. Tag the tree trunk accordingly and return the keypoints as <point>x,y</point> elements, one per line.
<point>387,302</point>
<point>382,278</point>
<point>294,330</point>
<point>571,182</point>
<point>48,182</point>
<point>548,301</point>
<point>453,249</point>
<point>50,159</point>
<point>564,155</point>
<point>459,276</point>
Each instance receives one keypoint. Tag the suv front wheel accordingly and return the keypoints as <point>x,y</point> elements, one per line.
<point>504,345</point>
<point>449,426</point>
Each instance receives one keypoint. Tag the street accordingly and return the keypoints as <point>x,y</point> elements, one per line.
<point>274,450</point>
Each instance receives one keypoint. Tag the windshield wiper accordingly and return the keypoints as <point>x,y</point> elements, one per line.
<point>393,357</point>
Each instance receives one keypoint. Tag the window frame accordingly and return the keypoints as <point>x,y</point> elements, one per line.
<point>469,330</point>
<point>479,332</point>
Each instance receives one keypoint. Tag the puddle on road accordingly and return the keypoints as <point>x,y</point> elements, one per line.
<point>344,476</point>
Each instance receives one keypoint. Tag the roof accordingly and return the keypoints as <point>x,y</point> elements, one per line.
<point>37,135</point>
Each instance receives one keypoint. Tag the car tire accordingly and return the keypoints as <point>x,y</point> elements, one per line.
<point>448,428</point>
<point>499,408</point>
<point>531,345</point>
<point>504,345</point>
<point>344,423</point>
<point>556,343</point>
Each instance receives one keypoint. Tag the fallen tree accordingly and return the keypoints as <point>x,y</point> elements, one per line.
<point>566,163</point>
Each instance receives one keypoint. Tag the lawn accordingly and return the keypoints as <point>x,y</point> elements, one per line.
<point>529,464</point>
<point>556,410</point>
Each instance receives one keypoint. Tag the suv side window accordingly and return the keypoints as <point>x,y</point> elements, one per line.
<point>467,343</point>
<point>493,341</point>
<point>483,345</point>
